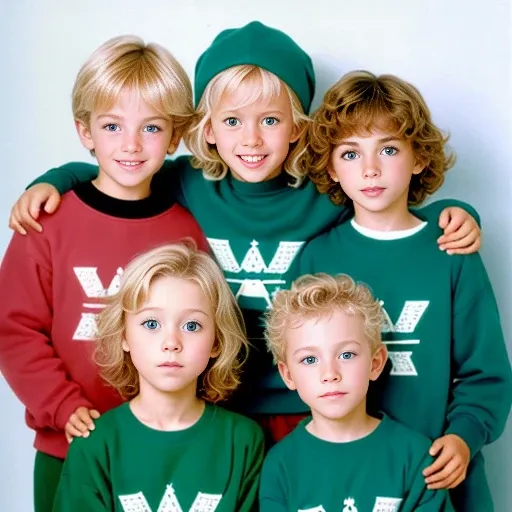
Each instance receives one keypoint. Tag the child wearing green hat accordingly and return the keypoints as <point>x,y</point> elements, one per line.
<point>253,90</point>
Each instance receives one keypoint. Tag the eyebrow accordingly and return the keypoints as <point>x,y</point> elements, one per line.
<point>237,110</point>
<point>185,311</point>
<point>355,144</point>
<point>145,120</point>
<point>311,348</point>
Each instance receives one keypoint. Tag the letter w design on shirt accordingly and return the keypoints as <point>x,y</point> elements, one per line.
<point>169,502</point>
<point>253,262</point>
<point>410,316</point>
<point>93,289</point>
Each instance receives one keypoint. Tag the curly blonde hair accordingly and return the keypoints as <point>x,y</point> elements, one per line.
<point>358,103</point>
<point>267,87</point>
<point>318,296</point>
<point>183,261</point>
<point>126,62</point>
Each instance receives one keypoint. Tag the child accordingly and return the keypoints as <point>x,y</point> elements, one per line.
<point>131,103</point>
<point>374,147</point>
<point>171,341</point>
<point>253,88</point>
<point>324,335</point>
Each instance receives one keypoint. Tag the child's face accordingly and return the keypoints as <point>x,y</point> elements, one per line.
<point>375,172</point>
<point>130,141</point>
<point>330,363</point>
<point>253,140</point>
<point>171,339</point>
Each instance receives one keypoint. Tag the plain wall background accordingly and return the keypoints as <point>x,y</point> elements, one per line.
<point>458,52</point>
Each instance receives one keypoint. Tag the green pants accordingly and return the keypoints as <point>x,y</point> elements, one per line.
<point>47,470</point>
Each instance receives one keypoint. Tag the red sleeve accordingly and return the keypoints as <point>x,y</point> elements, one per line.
<point>28,360</point>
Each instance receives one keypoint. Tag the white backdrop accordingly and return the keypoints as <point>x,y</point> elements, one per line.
<point>457,52</point>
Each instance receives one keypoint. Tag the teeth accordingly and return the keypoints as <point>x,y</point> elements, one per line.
<point>129,163</point>
<point>252,159</point>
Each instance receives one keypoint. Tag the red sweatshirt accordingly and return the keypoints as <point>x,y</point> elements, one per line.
<point>52,287</point>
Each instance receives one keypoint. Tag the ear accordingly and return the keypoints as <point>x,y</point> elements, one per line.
<point>215,352</point>
<point>85,135</point>
<point>419,166</point>
<point>175,142</point>
<point>208,133</point>
<point>125,346</point>
<point>332,174</point>
<point>379,358</point>
<point>297,132</point>
<point>286,376</point>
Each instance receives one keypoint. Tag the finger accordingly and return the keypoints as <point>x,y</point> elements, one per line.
<point>52,203</point>
<point>458,481</point>
<point>446,473</point>
<point>29,222</point>
<point>444,218</point>
<point>68,438</point>
<point>16,226</point>
<point>78,424</point>
<point>447,482</point>
<point>455,223</point>
<point>465,230</point>
<point>34,207</point>
<point>72,431</point>
<point>437,465</point>
<point>474,247</point>
<point>94,414</point>
<point>85,418</point>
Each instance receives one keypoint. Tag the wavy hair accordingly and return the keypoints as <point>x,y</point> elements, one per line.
<point>318,296</point>
<point>182,261</point>
<point>358,103</point>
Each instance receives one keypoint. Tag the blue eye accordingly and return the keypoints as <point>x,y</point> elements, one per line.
<point>232,121</point>
<point>270,121</point>
<point>151,324</point>
<point>389,151</point>
<point>192,326</point>
<point>309,360</point>
<point>111,127</point>
<point>347,355</point>
<point>152,128</point>
<point>349,155</point>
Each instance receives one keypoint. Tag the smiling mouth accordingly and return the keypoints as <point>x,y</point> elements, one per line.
<point>252,159</point>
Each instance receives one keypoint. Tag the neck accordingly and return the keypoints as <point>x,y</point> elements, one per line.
<point>167,411</point>
<point>113,189</point>
<point>353,426</point>
<point>396,219</point>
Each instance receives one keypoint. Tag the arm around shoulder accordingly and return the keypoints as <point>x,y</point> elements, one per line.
<point>67,176</point>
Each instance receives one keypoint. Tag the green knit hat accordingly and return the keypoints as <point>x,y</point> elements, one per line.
<point>258,45</point>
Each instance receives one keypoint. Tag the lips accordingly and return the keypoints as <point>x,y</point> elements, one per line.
<point>170,364</point>
<point>252,159</point>
<point>333,394</point>
<point>372,191</point>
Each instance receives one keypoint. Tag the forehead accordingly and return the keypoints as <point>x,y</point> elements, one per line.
<point>332,328</point>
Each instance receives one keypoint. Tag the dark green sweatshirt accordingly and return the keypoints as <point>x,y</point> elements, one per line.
<point>380,472</point>
<point>126,466</point>
<point>449,371</point>
<point>255,231</point>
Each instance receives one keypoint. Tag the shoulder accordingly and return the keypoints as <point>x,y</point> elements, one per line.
<point>244,429</point>
<point>414,443</point>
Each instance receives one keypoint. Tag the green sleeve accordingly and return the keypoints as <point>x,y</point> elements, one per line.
<point>248,495</point>
<point>273,496</point>
<point>482,392</point>
<point>433,210</point>
<point>67,176</point>
<point>421,499</point>
<point>83,485</point>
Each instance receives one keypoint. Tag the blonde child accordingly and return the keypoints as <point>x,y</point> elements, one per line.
<point>171,341</point>
<point>253,90</point>
<point>374,147</point>
<point>324,335</point>
<point>131,103</point>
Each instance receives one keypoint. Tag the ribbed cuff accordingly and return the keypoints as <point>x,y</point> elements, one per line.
<point>470,431</point>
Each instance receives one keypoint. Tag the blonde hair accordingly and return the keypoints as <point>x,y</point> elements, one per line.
<point>182,261</point>
<point>318,296</point>
<point>126,62</point>
<point>358,103</point>
<point>267,87</point>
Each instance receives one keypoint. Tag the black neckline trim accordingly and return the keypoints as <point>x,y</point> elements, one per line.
<point>153,205</point>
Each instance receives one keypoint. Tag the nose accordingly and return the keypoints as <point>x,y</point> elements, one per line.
<point>371,167</point>
<point>171,343</point>
<point>131,142</point>
<point>251,136</point>
<point>330,373</point>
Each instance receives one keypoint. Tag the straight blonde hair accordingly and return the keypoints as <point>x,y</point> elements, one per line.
<point>181,261</point>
